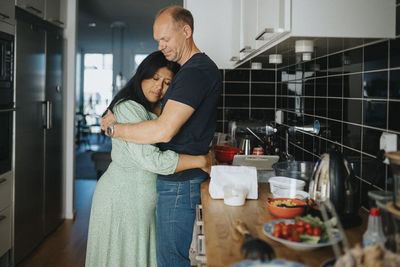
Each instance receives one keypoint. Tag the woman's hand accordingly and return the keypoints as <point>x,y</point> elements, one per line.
<point>209,160</point>
<point>106,120</point>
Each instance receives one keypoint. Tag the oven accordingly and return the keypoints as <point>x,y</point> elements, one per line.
<point>7,106</point>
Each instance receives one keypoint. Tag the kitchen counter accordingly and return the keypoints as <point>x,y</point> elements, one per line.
<point>223,242</point>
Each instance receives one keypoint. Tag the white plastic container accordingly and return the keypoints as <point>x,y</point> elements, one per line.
<point>235,195</point>
<point>291,193</point>
<point>282,182</point>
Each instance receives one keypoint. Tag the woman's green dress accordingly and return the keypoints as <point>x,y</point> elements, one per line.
<point>122,220</point>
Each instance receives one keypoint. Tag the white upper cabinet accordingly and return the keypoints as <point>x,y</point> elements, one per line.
<point>248,26</point>
<point>35,7</point>
<point>273,20</point>
<point>7,11</point>
<point>216,30</point>
<point>52,12</point>
<point>277,20</point>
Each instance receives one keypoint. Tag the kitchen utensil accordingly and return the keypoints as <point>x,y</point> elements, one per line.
<point>252,247</point>
<point>256,136</point>
<point>302,170</point>
<point>268,230</point>
<point>285,211</point>
<point>245,145</point>
<point>333,179</point>
<point>226,153</point>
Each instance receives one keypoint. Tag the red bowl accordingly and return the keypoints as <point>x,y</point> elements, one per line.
<point>226,153</point>
<point>283,212</point>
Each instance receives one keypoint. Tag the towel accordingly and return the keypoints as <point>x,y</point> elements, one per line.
<point>222,175</point>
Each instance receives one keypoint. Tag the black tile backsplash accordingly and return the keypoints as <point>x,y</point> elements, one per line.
<point>376,84</point>
<point>376,56</point>
<point>353,92</point>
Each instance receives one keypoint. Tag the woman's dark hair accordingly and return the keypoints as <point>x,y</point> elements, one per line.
<point>146,70</point>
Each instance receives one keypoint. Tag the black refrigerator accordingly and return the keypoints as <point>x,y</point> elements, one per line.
<point>38,132</point>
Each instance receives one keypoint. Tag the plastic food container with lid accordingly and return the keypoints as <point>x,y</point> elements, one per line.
<point>283,182</point>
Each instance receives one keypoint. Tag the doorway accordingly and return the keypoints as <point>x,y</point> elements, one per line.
<point>92,153</point>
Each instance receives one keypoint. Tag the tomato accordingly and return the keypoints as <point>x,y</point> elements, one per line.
<point>309,231</point>
<point>308,225</point>
<point>317,231</point>
<point>299,223</point>
<point>289,238</point>
<point>300,230</point>
<point>285,231</point>
<point>277,227</point>
<point>277,233</point>
<point>295,237</point>
<point>291,227</point>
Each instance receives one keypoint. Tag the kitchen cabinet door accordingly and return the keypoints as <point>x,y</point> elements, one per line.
<point>213,32</point>
<point>35,7</point>
<point>7,11</point>
<point>248,27</point>
<point>52,12</point>
<point>273,20</point>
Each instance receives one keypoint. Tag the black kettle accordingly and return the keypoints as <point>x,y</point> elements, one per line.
<point>333,179</point>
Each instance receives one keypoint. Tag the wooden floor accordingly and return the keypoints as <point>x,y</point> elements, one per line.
<point>67,245</point>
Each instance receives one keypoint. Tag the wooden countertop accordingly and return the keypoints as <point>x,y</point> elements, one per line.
<point>223,242</point>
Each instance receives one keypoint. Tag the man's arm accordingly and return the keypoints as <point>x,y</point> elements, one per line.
<point>162,129</point>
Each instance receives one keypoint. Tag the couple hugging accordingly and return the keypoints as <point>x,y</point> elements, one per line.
<point>143,208</point>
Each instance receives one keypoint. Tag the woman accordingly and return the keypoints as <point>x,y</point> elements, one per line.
<point>122,219</point>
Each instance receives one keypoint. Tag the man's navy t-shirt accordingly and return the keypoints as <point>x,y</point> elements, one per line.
<point>197,84</point>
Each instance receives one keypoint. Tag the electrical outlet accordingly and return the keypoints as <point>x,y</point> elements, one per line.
<point>388,142</point>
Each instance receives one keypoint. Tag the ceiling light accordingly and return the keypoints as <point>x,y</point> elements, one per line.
<point>306,47</point>
<point>92,24</point>
<point>275,59</point>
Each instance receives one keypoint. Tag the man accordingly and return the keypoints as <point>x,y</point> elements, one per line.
<point>186,125</point>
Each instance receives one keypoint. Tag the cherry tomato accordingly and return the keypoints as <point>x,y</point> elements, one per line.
<point>277,233</point>
<point>291,226</point>
<point>309,231</point>
<point>299,223</point>
<point>285,231</point>
<point>289,238</point>
<point>295,237</point>
<point>300,230</point>
<point>308,225</point>
<point>317,231</point>
<point>277,227</point>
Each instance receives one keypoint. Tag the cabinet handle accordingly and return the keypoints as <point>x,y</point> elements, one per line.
<point>57,21</point>
<point>7,110</point>
<point>268,30</point>
<point>2,217</point>
<point>34,9</point>
<point>2,180</point>
<point>247,48</point>
<point>4,16</point>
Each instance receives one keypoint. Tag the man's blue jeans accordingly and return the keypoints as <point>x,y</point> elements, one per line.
<point>175,214</point>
